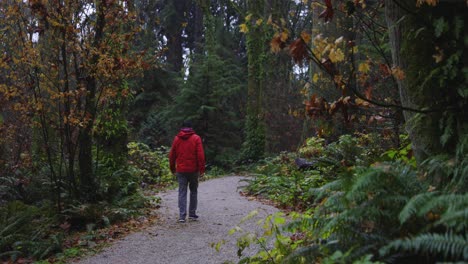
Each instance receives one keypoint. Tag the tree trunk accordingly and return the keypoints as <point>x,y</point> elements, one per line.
<point>85,156</point>
<point>174,35</point>
<point>412,41</point>
<point>254,145</point>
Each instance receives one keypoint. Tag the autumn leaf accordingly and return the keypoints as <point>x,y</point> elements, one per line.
<point>398,73</point>
<point>243,28</point>
<point>336,55</point>
<point>364,67</point>
<point>315,78</point>
<point>306,37</point>
<point>299,51</point>
<point>276,44</point>
<point>284,36</point>
<point>360,102</point>
<point>384,70</point>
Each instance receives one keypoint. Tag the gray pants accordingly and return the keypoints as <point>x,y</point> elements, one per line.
<point>190,180</point>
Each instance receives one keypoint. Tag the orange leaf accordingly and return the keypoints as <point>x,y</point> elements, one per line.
<point>299,51</point>
<point>384,70</point>
<point>277,44</point>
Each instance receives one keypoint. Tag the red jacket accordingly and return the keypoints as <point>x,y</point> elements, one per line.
<point>186,153</point>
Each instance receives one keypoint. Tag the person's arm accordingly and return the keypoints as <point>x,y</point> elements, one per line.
<point>173,156</point>
<point>200,157</point>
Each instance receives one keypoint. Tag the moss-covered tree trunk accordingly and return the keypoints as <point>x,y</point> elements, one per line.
<point>254,145</point>
<point>432,64</point>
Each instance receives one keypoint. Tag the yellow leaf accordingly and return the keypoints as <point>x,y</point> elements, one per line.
<point>336,55</point>
<point>284,36</point>
<point>305,36</point>
<point>247,18</point>
<point>315,78</point>
<point>364,67</point>
<point>360,102</point>
<point>259,22</point>
<point>243,28</point>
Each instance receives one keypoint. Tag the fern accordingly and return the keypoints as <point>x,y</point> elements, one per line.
<point>456,219</point>
<point>412,207</point>
<point>450,246</point>
<point>424,203</point>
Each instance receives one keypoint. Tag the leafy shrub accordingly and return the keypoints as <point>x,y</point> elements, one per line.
<point>280,180</point>
<point>152,166</point>
<point>313,147</point>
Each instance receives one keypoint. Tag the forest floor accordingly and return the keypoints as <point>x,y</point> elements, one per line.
<point>220,207</point>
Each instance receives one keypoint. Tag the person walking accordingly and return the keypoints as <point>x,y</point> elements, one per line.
<point>187,162</point>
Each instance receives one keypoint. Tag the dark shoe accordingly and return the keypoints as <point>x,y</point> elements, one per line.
<point>193,217</point>
<point>181,220</point>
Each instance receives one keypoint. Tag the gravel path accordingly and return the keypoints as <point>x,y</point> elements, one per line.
<point>220,208</point>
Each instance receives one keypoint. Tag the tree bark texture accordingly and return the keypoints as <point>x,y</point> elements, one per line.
<point>412,42</point>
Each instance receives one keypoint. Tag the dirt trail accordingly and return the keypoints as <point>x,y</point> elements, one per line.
<point>220,208</point>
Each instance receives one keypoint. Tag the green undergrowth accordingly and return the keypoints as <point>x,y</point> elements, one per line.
<point>360,202</point>
<point>36,231</point>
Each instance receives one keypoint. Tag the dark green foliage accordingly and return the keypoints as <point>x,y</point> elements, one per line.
<point>443,210</point>
<point>26,231</point>
<point>271,182</point>
<point>150,166</point>
<point>448,246</point>
<point>253,148</point>
<point>371,209</point>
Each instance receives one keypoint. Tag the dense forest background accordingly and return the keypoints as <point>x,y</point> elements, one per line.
<point>352,108</point>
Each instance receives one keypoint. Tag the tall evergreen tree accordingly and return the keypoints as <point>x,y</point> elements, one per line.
<point>211,94</point>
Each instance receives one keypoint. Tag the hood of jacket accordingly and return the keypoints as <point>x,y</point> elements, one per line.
<point>185,133</point>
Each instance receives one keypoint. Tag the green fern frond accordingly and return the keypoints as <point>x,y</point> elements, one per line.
<point>458,219</point>
<point>443,202</point>
<point>364,184</point>
<point>302,254</point>
<point>451,246</point>
<point>326,189</point>
<point>414,205</point>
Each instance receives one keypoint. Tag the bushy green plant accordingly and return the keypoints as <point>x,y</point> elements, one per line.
<point>151,166</point>
<point>403,153</point>
<point>280,180</point>
<point>313,147</point>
